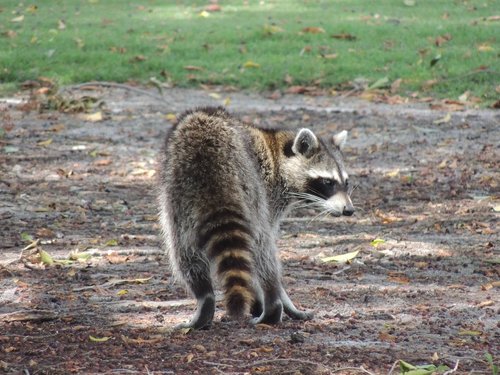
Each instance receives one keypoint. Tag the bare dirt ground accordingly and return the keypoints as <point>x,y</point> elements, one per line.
<point>427,292</point>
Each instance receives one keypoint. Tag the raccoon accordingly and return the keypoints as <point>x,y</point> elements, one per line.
<point>224,186</point>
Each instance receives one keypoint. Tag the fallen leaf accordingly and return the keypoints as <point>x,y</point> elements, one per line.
<point>272,29</point>
<point>112,242</point>
<point>398,278</point>
<point>45,257</point>
<point>386,218</point>
<point>441,39</point>
<point>381,82</point>
<point>18,19</point>
<point>342,258</point>
<point>61,25</point>
<point>122,292</point>
<point>435,60</point>
<point>466,332</point>
<point>32,8</point>
<point>330,56</point>
<point>102,162</point>
<point>45,232</point>
<point>10,34</point>
<point>138,58</point>
<point>344,36</point>
<point>193,68</point>
<point>313,30</point>
<point>45,143</point>
<point>485,303</point>
<point>204,14</point>
<point>115,258</point>
<point>189,357</point>
<point>485,47</point>
<point>26,237</point>
<point>92,117</point>
<point>171,117</point>
<point>443,120</point>
<point>99,339</point>
<point>384,336</point>
<point>393,173</point>
<point>409,3</point>
<point>493,18</point>
<point>251,64</point>
<point>395,85</point>
<point>213,8</point>
<point>376,242</point>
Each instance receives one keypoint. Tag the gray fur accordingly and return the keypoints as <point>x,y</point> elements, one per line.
<point>211,161</point>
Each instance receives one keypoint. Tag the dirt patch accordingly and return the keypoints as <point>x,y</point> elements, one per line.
<point>428,293</point>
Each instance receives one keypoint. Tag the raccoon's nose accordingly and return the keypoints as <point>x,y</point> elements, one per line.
<point>348,211</point>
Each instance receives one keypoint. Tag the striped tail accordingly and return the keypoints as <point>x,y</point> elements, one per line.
<point>226,237</point>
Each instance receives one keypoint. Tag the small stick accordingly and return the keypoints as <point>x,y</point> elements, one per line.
<point>113,85</point>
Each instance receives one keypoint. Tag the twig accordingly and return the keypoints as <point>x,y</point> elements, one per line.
<point>32,245</point>
<point>453,369</point>
<point>393,367</point>
<point>113,85</point>
<point>287,360</point>
<point>217,364</point>
<point>360,368</point>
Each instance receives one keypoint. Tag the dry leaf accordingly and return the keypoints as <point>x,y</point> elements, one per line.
<point>45,143</point>
<point>485,47</point>
<point>395,85</point>
<point>443,120</point>
<point>440,40</point>
<point>398,278</point>
<point>213,8</point>
<point>485,303</point>
<point>386,218</point>
<point>272,29</point>
<point>193,68</point>
<point>98,339</point>
<point>102,162</point>
<point>93,117</point>
<point>344,36</point>
<point>251,64</point>
<point>313,30</point>
<point>330,56</point>
<point>342,258</point>
<point>18,19</point>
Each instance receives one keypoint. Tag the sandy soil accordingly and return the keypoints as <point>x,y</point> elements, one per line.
<point>427,294</point>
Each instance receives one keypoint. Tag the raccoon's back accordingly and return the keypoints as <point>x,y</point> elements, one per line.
<point>213,189</point>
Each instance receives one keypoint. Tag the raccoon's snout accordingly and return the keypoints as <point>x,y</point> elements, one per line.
<point>348,211</point>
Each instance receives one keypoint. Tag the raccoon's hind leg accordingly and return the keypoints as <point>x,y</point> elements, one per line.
<point>268,285</point>
<point>197,276</point>
<point>291,310</point>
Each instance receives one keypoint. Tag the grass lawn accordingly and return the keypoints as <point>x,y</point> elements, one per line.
<point>442,48</point>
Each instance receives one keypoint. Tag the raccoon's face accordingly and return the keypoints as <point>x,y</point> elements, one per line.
<point>315,172</point>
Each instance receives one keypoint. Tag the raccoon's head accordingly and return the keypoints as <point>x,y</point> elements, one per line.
<point>315,173</point>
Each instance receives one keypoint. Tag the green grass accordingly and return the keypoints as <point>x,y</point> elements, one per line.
<point>119,40</point>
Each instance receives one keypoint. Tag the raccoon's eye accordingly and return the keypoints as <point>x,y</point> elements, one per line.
<point>327,181</point>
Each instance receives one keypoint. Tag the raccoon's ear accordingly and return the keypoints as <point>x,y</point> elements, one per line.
<point>305,143</point>
<point>340,139</point>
